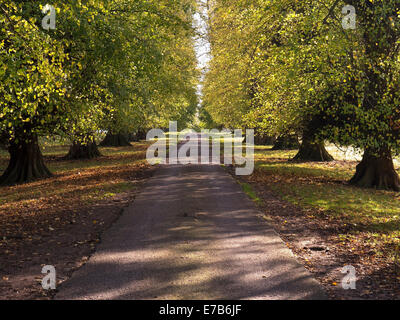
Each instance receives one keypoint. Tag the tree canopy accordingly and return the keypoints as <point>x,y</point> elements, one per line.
<point>291,66</point>
<point>115,66</point>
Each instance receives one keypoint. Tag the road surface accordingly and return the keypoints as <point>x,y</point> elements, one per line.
<point>191,234</point>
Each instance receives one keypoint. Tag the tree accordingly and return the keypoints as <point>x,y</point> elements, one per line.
<point>255,48</point>
<point>32,87</point>
<point>364,99</point>
<point>101,63</point>
<point>289,66</point>
<point>158,82</point>
<point>347,82</point>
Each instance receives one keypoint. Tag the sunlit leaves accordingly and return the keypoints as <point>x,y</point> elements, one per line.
<point>278,64</point>
<point>108,65</point>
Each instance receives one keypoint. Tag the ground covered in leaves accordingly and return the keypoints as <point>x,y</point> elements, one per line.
<point>329,224</point>
<point>59,221</point>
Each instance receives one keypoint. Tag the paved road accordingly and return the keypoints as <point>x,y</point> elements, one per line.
<point>191,234</point>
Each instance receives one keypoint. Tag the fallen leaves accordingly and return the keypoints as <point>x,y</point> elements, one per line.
<point>59,220</point>
<point>363,232</point>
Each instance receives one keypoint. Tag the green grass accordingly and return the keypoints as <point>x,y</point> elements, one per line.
<point>304,170</point>
<point>250,192</point>
<point>369,207</point>
<point>276,162</point>
<point>322,190</point>
<point>107,191</point>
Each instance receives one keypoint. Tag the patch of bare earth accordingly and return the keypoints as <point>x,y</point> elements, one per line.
<point>59,221</point>
<point>313,238</point>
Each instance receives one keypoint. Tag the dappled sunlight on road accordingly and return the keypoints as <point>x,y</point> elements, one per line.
<point>192,234</point>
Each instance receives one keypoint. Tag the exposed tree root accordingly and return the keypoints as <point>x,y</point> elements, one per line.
<point>376,171</point>
<point>312,151</point>
<point>26,163</point>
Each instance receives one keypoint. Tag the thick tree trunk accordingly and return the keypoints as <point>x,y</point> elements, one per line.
<point>115,140</point>
<point>26,163</point>
<point>286,142</point>
<point>376,170</point>
<point>264,140</point>
<point>140,135</point>
<point>83,150</point>
<point>131,137</point>
<point>312,151</point>
<point>4,143</point>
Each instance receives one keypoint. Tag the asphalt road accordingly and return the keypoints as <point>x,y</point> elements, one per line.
<point>191,234</point>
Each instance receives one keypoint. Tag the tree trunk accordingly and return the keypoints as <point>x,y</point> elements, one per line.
<point>83,150</point>
<point>286,142</point>
<point>263,140</point>
<point>131,137</point>
<point>376,170</point>
<point>26,163</point>
<point>312,151</point>
<point>140,135</point>
<point>115,140</point>
<point>4,143</point>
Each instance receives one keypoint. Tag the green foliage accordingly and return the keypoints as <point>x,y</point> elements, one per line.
<point>113,65</point>
<point>280,66</point>
<point>251,193</point>
<point>32,77</point>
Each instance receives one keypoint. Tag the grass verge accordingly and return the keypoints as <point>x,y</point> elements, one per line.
<point>362,224</point>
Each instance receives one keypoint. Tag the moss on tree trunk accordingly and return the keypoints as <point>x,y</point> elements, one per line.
<point>376,170</point>
<point>26,163</point>
<point>115,140</point>
<point>83,150</point>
